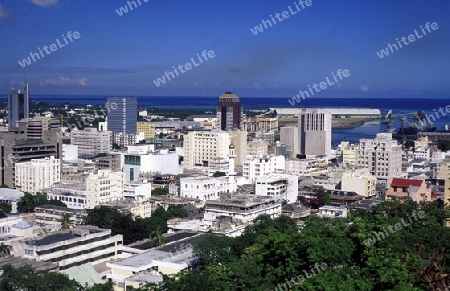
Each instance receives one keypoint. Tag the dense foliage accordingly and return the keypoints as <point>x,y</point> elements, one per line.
<point>160,191</point>
<point>133,229</point>
<point>28,202</point>
<point>26,278</point>
<point>400,246</point>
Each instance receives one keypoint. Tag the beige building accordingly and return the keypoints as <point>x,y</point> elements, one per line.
<point>443,169</point>
<point>104,187</point>
<point>239,140</point>
<point>257,147</point>
<point>359,181</point>
<point>147,128</point>
<point>202,146</point>
<point>447,192</point>
<point>36,126</point>
<point>37,174</point>
<point>349,153</point>
<point>289,137</point>
<point>90,141</point>
<point>382,156</point>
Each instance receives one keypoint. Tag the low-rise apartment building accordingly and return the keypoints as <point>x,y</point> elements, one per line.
<point>232,212</point>
<point>283,186</point>
<point>359,181</point>
<point>72,247</point>
<point>256,166</point>
<point>50,215</point>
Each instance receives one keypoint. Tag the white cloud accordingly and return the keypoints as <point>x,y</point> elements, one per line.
<point>63,81</point>
<point>3,12</point>
<point>365,88</point>
<point>44,3</point>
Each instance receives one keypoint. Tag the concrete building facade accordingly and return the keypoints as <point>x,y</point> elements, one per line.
<point>289,137</point>
<point>382,156</point>
<point>37,174</point>
<point>90,141</point>
<point>284,186</point>
<point>256,166</point>
<point>202,146</point>
<point>314,135</point>
<point>359,181</point>
<point>72,247</point>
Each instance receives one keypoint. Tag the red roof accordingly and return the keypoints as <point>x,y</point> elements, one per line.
<point>397,182</point>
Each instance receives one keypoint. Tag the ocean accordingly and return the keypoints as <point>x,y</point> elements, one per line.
<point>403,105</point>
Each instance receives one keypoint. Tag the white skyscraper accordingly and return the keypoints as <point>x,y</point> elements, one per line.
<point>314,130</point>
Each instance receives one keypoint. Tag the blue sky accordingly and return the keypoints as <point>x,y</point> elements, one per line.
<point>122,55</point>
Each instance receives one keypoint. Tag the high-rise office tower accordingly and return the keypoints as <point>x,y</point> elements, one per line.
<point>18,106</point>
<point>229,111</point>
<point>314,131</point>
<point>122,115</point>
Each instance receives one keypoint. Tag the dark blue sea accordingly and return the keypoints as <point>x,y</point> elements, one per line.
<point>406,104</point>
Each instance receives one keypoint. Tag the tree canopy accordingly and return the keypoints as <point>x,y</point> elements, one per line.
<point>28,202</point>
<point>400,246</point>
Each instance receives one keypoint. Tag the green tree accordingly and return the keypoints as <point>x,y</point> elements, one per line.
<point>160,191</point>
<point>219,174</point>
<point>6,207</point>
<point>65,220</point>
<point>156,236</point>
<point>26,278</point>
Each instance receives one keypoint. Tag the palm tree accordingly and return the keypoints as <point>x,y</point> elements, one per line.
<point>157,236</point>
<point>66,223</point>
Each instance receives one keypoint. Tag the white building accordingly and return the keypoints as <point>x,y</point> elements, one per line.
<point>283,186</point>
<point>202,146</point>
<point>103,187</point>
<point>333,211</point>
<point>143,159</point>
<point>422,153</point>
<point>127,139</point>
<point>37,174</point>
<point>90,141</point>
<point>231,213</point>
<point>69,152</point>
<point>382,156</point>
<point>137,191</point>
<point>72,247</point>
<point>301,167</point>
<point>359,181</point>
<point>256,166</point>
<point>206,188</point>
<point>289,137</point>
<point>314,127</point>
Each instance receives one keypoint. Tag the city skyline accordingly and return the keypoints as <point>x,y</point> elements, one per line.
<point>122,55</point>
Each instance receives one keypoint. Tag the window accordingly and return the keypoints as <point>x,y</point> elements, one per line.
<point>29,252</point>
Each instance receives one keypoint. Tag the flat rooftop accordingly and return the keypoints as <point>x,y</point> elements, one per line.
<point>61,236</point>
<point>146,245</point>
